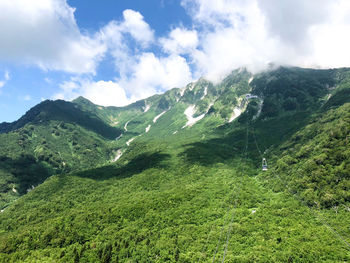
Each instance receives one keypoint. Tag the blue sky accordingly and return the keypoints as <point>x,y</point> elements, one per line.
<point>115,52</point>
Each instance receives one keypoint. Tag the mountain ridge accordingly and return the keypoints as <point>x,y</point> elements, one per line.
<point>185,171</point>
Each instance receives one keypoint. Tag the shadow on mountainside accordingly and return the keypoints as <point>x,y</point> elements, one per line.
<point>135,166</point>
<point>22,173</point>
<point>264,133</point>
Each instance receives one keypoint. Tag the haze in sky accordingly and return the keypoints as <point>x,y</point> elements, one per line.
<point>117,52</point>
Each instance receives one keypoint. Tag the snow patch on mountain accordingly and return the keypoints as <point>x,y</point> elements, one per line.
<point>189,112</point>
<point>147,107</point>
<point>236,113</point>
<point>148,128</point>
<point>182,91</point>
<point>30,188</point>
<point>174,132</point>
<point>117,156</point>
<point>261,102</point>
<point>121,135</point>
<point>250,80</point>
<point>125,126</point>
<point>129,141</point>
<point>205,92</point>
<point>158,116</point>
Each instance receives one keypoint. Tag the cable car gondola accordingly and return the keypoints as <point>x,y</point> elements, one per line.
<point>264,164</point>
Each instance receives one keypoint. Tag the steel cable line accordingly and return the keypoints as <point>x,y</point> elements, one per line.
<point>209,233</point>
<point>193,133</point>
<point>317,215</point>
<point>232,217</point>
<point>295,194</point>
<point>235,205</point>
<point>206,243</point>
<point>225,223</point>
<point>326,223</point>
<point>219,241</point>
<point>234,208</point>
<point>256,143</point>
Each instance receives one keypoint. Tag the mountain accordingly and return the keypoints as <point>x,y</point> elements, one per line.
<point>177,177</point>
<point>51,138</point>
<point>61,111</point>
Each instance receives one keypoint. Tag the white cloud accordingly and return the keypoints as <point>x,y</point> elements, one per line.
<point>180,41</point>
<point>5,79</point>
<point>105,93</point>
<point>48,80</point>
<point>252,33</point>
<point>291,20</point>
<point>116,34</point>
<point>45,33</point>
<point>141,73</point>
<point>26,98</point>
<point>148,75</point>
<point>233,34</point>
<point>135,25</point>
<point>151,74</point>
<point>330,41</point>
<point>224,35</point>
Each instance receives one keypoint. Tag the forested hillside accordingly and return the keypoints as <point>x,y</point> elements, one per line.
<point>54,137</point>
<point>177,177</point>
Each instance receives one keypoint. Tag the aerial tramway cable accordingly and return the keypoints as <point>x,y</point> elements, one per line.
<point>235,205</point>
<point>263,162</point>
<point>229,230</point>
<point>219,241</point>
<point>295,194</point>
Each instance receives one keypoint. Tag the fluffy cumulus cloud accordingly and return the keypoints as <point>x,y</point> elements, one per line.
<point>45,33</point>
<point>132,24</point>
<point>125,38</point>
<point>141,72</point>
<point>330,40</point>
<point>148,75</point>
<point>151,74</point>
<point>105,93</point>
<point>135,25</point>
<point>224,35</point>
<point>4,79</point>
<point>252,33</point>
<point>180,41</point>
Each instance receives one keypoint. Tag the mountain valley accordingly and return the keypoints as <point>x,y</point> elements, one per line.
<point>177,177</point>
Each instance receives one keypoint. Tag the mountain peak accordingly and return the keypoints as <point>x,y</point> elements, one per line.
<point>82,100</point>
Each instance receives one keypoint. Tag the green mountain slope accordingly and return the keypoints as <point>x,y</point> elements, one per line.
<point>62,111</point>
<point>185,182</point>
<point>316,161</point>
<point>53,137</point>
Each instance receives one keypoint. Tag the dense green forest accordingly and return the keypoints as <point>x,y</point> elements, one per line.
<point>182,191</point>
<point>36,151</point>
